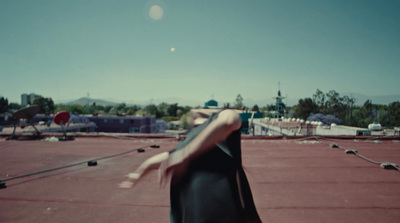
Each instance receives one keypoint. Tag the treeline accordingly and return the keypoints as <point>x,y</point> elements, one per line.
<point>162,111</point>
<point>342,109</point>
<point>168,112</point>
<point>6,107</point>
<point>330,107</point>
<point>165,111</point>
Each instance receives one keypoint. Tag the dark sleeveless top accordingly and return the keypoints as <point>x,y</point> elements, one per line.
<point>215,187</point>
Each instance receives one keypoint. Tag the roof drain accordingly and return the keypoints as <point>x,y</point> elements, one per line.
<point>334,145</point>
<point>389,166</point>
<point>3,185</point>
<point>92,163</point>
<point>350,151</point>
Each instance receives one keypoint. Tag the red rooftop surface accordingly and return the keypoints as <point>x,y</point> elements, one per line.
<point>292,180</point>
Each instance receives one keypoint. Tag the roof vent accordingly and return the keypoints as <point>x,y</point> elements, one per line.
<point>350,151</point>
<point>92,163</point>
<point>333,145</point>
<point>3,185</point>
<point>389,166</point>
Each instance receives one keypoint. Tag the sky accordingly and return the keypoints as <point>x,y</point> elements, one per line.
<point>139,50</point>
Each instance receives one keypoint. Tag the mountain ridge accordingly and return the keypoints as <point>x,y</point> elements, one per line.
<point>249,102</point>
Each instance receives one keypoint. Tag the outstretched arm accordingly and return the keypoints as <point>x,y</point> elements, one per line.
<point>217,131</point>
<point>148,165</point>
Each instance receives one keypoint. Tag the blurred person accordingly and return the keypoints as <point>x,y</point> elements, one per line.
<point>208,183</point>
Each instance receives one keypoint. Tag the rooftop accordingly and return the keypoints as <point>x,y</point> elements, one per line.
<point>292,179</point>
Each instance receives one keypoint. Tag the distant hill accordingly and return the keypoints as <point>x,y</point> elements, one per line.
<point>182,102</point>
<point>291,101</point>
<point>170,100</point>
<point>249,102</point>
<point>381,100</point>
<point>90,101</point>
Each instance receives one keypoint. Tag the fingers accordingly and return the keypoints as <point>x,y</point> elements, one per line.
<point>175,171</point>
<point>133,176</point>
<point>126,185</point>
<point>163,174</point>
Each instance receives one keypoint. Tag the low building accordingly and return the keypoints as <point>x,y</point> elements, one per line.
<point>124,124</point>
<point>338,130</point>
<point>161,126</point>
<point>6,119</point>
<point>300,128</point>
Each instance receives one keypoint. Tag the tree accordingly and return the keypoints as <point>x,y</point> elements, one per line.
<point>185,109</point>
<point>325,119</point>
<point>348,117</point>
<point>46,105</point>
<point>172,109</point>
<point>135,108</point>
<point>270,107</point>
<point>394,114</point>
<point>113,110</point>
<point>305,108</point>
<point>163,108</point>
<point>121,107</point>
<point>364,115</point>
<point>91,109</point>
<point>14,106</point>
<point>152,110</point>
<point>60,107</point>
<point>107,108</point>
<point>118,109</point>
<point>76,109</point>
<point>130,111</point>
<point>3,105</point>
<point>319,100</point>
<point>333,103</point>
<point>239,102</point>
<point>256,108</point>
<point>184,123</point>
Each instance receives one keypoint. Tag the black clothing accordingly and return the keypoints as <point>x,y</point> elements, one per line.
<point>215,187</point>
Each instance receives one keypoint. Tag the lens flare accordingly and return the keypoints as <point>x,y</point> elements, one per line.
<point>156,12</point>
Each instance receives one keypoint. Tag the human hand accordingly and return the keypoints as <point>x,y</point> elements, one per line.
<point>125,184</point>
<point>175,165</point>
<point>133,176</point>
<point>129,183</point>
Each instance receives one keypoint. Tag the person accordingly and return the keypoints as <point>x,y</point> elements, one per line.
<point>207,180</point>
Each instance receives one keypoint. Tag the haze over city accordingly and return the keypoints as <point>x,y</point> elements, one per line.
<point>132,50</point>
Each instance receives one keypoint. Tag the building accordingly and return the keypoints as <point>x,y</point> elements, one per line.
<point>245,116</point>
<point>211,104</point>
<point>124,124</point>
<point>297,127</point>
<point>279,106</point>
<point>29,98</point>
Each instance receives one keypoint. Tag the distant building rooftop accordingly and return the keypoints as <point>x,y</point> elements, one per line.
<point>267,126</point>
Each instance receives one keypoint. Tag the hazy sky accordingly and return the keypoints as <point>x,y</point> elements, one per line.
<point>137,50</point>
